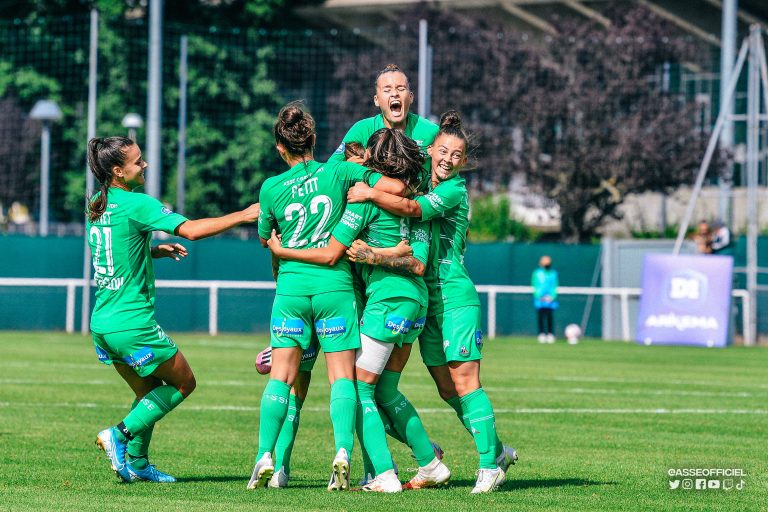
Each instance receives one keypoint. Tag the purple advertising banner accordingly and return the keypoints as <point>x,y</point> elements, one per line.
<point>686,300</point>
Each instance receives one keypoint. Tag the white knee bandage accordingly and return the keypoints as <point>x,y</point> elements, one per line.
<point>373,354</point>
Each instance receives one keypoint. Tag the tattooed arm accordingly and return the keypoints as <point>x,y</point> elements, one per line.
<point>398,260</point>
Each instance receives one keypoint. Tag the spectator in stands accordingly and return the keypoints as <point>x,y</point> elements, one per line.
<point>721,239</point>
<point>545,282</point>
<point>703,238</point>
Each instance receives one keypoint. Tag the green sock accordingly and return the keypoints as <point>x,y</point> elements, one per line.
<point>404,417</point>
<point>389,427</point>
<point>369,424</point>
<point>478,409</point>
<point>368,468</point>
<point>284,446</point>
<point>343,408</point>
<point>455,402</point>
<point>274,408</point>
<point>138,447</point>
<point>151,408</point>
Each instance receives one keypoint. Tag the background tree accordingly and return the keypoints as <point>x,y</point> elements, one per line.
<point>585,115</point>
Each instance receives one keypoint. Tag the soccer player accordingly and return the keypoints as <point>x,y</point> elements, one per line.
<point>125,332</point>
<point>304,203</point>
<point>451,343</point>
<point>394,98</point>
<point>393,317</point>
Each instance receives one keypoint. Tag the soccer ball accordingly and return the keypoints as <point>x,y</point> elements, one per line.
<point>264,361</point>
<point>572,333</point>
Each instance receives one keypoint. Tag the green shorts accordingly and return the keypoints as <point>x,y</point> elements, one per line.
<point>309,357</point>
<point>396,320</point>
<point>453,335</point>
<point>331,315</point>
<point>142,349</point>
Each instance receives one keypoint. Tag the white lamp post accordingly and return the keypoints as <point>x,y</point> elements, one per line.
<point>132,121</point>
<point>46,111</point>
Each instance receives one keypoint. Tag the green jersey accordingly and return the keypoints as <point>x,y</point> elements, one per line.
<point>422,131</point>
<point>448,205</point>
<point>120,246</point>
<point>379,228</point>
<point>304,203</point>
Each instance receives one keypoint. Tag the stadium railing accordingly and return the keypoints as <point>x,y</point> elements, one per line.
<point>213,287</point>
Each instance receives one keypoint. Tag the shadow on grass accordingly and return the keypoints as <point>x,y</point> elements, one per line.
<point>237,478</point>
<point>511,485</point>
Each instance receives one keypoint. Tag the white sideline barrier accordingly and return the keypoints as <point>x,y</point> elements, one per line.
<point>213,288</point>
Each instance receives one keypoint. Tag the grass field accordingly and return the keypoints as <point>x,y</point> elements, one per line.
<point>597,427</point>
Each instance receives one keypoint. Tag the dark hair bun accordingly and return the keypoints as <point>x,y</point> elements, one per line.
<point>450,119</point>
<point>292,115</point>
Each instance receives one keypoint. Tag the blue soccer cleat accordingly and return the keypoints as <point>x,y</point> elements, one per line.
<point>109,441</point>
<point>150,474</point>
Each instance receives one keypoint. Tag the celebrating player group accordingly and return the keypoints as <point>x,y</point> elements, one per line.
<point>367,250</point>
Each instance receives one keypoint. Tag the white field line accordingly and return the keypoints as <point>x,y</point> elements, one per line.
<point>445,410</point>
<point>492,389</point>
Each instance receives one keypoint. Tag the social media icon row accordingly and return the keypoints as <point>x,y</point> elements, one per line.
<point>704,484</point>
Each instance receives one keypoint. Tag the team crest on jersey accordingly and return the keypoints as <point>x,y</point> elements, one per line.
<point>166,210</point>
<point>101,354</point>
<point>479,339</point>
<point>330,327</point>
<point>139,358</point>
<point>398,324</point>
<point>287,326</point>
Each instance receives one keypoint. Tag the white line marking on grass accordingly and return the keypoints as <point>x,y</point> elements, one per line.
<point>672,382</point>
<point>445,410</point>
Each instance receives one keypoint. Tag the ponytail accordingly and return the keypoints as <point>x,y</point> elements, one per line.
<point>104,153</point>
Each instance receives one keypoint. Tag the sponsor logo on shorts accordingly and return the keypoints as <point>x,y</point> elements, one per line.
<point>102,354</point>
<point>398,324</point>
<point>479,339</point>
<point>463,351</point>
<point>330,327</point>
<point>166,210</point>
<point>419,323</point>
<point>310,353</point>
<point>287,326</point>
<point>139,358</point>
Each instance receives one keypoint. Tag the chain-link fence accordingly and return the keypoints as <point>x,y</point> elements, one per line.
<point>631,102</point>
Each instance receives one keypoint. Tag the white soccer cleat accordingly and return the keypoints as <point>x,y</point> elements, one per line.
<point>488,480</point>
<point>550,338</point>
<point>279,480</point>
<point>433,474</point>
<point>340,472</point>
<point>542,338</point>
<point>384,482</point>
<point>262,472</point>
<point>506,458</point>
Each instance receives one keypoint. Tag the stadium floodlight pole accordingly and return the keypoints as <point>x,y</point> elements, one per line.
<point>727,52</point>
<point>713,139</point>
<point>423,69</point>
<point>93,60</point>
<point>154,98</point>
<point>181,172</point>
<point>46,111</point>
<point>753,158</point>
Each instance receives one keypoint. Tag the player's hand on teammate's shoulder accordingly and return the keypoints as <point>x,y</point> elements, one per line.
<point>251,214</point>
<point>359,193</point>
<point>173,251</point>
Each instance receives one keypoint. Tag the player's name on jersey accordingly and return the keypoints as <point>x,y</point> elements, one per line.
<point>303,185</point>
<point>105,218</point>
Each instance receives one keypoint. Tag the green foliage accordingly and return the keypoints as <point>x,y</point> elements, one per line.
<point>491,221</point>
